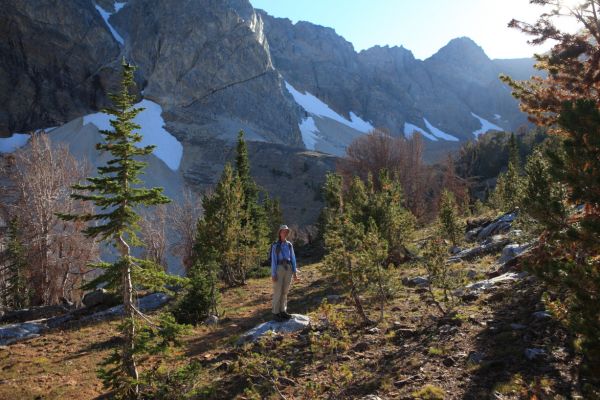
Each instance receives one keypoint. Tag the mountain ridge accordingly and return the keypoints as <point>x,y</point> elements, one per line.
<point>216,67</point>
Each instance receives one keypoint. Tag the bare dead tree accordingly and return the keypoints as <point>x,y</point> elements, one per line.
<point>39,179</point>
<point>153,226</point>
<point>401,157</point>
<point>183,219</point>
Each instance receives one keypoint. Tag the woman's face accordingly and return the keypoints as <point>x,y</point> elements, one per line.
<point>283,235</point>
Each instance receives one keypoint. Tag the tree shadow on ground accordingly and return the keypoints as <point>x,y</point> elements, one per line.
<point>303,300</point>
<point>498,365</point>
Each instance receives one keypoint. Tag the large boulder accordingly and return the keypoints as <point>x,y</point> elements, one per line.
<point>34,313</point>
<point>498,226</point>
<point>488,284</point>
<point>151,302</point>
<point>492,245</point>
<point>512,251</point>
<point>297,323</point>
<point>99,297</point>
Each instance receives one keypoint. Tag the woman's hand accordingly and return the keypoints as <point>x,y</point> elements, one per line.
<point>296,278</point>
<point>274,278</point>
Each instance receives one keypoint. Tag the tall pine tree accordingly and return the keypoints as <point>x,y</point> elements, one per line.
<point>566,100</point>
<point>116,192</point>
<point>15,294</point>
<point>221,236</point>
<point>255,218</point>
<point>450,224</point>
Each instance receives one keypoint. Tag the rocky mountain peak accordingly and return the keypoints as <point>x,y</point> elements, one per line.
<point>462,49</point>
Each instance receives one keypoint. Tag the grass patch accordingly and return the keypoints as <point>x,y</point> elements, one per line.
<point>429,392</point>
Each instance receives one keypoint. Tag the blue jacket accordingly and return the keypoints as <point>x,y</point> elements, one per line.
<point>286,253</point>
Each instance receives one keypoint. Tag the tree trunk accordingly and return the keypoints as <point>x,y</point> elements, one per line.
<point>129,345</point>
<point>356,298</point>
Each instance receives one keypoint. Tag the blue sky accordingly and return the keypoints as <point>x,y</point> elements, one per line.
<point>422,26</point>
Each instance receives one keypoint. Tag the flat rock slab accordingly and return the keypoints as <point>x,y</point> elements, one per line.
<point>490,283</point>
<point>297,323</point>
<point>15,332</point>
<point>147,303</point>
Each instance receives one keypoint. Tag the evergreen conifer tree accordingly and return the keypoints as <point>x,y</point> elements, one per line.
<point>274,216</point>
<point>566,100</point>
<point>361,229</point>
<point>221,237</point>
<point>116,192</point>
<point>509,186</point>
<point>449,222</point>
<point>254,218</point>
<point>15,295</point>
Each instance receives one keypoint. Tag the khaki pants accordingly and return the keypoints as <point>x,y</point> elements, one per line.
<point>281,288</point>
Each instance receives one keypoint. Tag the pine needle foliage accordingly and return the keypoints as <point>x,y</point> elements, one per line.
<point>117,192</point>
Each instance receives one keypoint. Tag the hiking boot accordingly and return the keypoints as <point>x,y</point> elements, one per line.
<point>278,317</point>
<point>285,315</point>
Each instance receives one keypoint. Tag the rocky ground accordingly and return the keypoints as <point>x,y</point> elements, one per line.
<point>501,344</point>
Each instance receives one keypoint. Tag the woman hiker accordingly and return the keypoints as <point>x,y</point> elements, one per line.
<point>283,268</point>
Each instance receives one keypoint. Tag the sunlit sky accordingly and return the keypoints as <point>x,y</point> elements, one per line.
<point>422,26</point>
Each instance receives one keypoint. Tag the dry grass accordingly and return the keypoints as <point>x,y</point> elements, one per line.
<point>413,350</point>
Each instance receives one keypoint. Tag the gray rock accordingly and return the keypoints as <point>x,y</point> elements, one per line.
<point>371,397</point>
<point>476,357</point>
<point>297,323</point>
<point>419,281</point>
<point>211,320</point>
<point>99,297</point>
<point>48,82</point>
<point>490,283</point>
<point>532,354</point>
<point>512,251</point>
<point>498,226</point>
<point>541,315</point>
<point>455,250</point>
<point>491,245</point>
<point>333,299</point>
<point>373,331</point>
<point>147,303</point>
<point>33,313</point>
<point>471,235</point>
<point>16,332</point>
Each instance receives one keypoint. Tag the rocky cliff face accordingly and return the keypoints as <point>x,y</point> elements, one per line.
<point>390,88</point>
<point>208,64</point>
<point>54,62</point>
<point>213,67</point>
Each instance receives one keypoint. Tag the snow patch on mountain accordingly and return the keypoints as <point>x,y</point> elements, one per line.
<point>409,129</point>
<point>119,5</point>
<point>439,133</point>
<point>313,105</point>
<point>168,148</point>
<point>485,125</point>
<point>309,132</point>
<point>106,15</point>
<point>14,142</point>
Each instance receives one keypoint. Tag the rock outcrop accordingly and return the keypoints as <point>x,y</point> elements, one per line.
<point>26,330</point>
<point>390,88</point>
<point>214,67</point>
<point>208,64</point>
<point>297,323</point>
<point>54,62</point>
